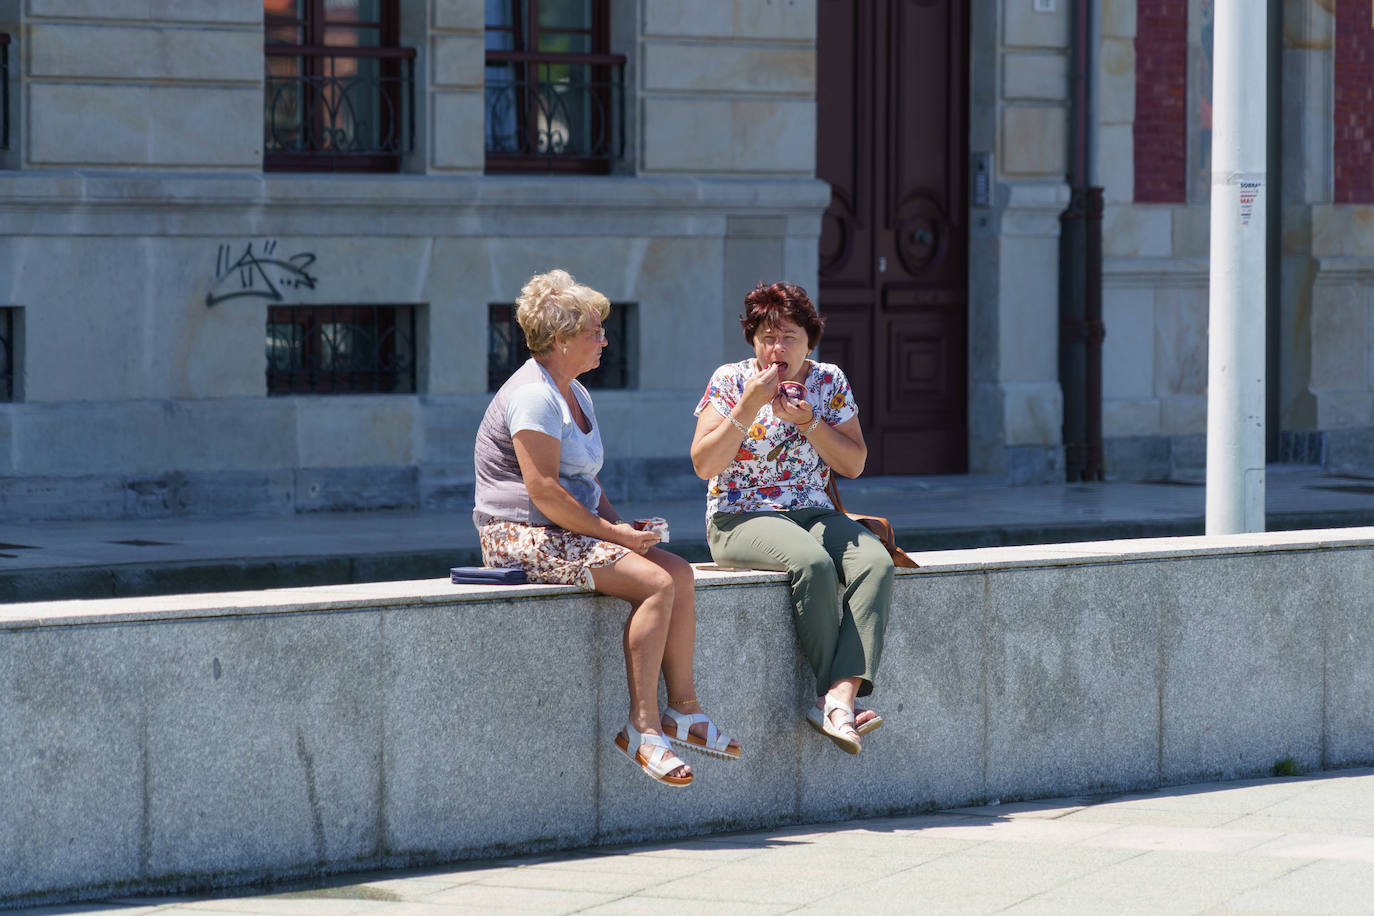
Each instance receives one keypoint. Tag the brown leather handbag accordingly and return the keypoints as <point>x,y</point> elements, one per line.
<point>877,524</point>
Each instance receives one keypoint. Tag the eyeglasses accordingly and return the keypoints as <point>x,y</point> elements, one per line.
<point>598,333</point>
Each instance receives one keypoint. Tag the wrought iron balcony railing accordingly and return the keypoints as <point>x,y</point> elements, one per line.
<point>557,113</point>
<point>337,108</point>
<point>4,90</point>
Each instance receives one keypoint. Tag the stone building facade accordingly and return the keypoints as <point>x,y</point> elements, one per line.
<point>153,248</point>
<point>1157,224</point>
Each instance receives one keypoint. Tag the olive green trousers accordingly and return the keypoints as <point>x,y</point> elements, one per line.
<point>820,550</point>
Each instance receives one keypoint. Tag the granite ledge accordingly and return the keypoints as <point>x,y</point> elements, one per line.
<point>439,592</point>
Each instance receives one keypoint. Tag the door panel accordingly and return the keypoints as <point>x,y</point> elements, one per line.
<point>891,100</point>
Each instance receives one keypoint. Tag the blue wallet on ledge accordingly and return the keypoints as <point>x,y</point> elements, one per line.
<point>486,575</point>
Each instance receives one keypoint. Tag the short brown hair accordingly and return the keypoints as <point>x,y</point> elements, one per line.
<point>770,304</point>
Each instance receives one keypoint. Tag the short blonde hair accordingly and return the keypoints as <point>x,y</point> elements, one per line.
<point>554,305</point>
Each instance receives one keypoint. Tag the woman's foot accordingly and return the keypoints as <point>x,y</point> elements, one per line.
<point>687,726</point>
<point>654,755</point>
<point>865,719</point>
<point>835,720</point>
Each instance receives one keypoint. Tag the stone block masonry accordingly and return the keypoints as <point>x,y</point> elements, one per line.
<point>195,741</point>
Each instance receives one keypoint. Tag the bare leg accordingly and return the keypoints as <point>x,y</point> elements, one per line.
<point>680,647</point>
<point>649,590</point>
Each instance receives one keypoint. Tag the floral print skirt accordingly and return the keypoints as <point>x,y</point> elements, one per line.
<point>546,554</point>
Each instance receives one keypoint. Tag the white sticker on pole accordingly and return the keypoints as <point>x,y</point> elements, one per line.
<point>1250,187</point>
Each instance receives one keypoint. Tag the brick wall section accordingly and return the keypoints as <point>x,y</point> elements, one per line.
<point>1161,102</point>
<point>1354,115</point>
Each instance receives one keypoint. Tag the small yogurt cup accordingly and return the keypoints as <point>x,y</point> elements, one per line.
<point>654,523</point>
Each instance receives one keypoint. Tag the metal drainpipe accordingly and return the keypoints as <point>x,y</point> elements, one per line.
<point>1273,203</point>
<point>1097,331</point>
<point>1080,273</point>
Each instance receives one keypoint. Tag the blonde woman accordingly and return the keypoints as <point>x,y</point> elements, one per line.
<point>539,507</point>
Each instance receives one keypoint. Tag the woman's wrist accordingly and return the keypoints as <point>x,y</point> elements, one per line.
<point>736,423</point>
<point>815,421</point>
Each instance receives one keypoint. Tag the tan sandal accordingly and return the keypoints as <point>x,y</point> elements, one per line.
<point>814,717</point>
<point>845,735</point>
<point>716,743</point>
<point>658,761</point>
<point>872,725</point>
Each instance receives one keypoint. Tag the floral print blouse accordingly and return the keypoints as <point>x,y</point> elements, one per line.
<point>776,468</point>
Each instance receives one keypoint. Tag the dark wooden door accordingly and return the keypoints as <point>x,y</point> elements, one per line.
<point>892,100</point>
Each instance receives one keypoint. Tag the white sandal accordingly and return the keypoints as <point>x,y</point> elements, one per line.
<point>813,718</point>
<point>658,762</point>
<point>845,741</point>
<point>716,742</point>
<point>872,725</point>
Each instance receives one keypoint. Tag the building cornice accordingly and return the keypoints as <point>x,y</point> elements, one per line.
<point>98,203</point>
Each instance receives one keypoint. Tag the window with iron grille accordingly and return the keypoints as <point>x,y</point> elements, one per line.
<point>554,95</point>
<point>506,350</point>
<point>341,349</point>
<point>8,353</point>
<point>339,91</point>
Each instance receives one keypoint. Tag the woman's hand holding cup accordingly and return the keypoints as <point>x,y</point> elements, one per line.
<point>790,403</point>
<point>635,539</point>
<point>798,412</point>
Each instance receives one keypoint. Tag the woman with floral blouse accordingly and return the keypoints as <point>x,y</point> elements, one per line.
<point>768,449</point>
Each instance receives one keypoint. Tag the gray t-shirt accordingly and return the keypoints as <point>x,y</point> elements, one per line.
<point>530,400</point>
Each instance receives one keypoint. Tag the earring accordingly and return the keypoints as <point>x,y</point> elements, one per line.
<point>565,349</point>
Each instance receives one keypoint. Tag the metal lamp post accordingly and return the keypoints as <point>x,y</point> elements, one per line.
<point>1236,323</point>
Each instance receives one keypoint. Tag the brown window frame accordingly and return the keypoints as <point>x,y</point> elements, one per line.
<point>317,64</point>
<point>605,70</point>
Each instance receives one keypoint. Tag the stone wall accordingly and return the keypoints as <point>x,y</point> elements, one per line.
<point>1018,88</point>
<point>1327,382</point>
<point>144,85</point>
<point>728,68</point>
<point>1154,386</point>
<point>452,44</point>
<point>164,744</point>
<point>1154,285</point>
<point>137,180</point>
<point>141,399</point>
<point>1155,276</point>
<point>108,273</point>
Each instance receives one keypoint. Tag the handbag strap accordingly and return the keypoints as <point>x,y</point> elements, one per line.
<point>834,492</point>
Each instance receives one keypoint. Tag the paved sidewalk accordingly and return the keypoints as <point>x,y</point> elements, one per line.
<point>90,559</point>
<point>1281,845</point>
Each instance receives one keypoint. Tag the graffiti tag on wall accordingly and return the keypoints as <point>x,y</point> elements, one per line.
<point>258,275</point>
